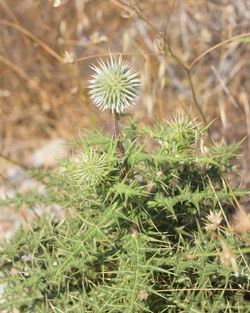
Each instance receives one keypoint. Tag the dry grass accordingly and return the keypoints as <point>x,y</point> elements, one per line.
<point>41,96</point>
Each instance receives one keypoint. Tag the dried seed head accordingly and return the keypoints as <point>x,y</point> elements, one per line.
<point>143,295</point>
<point>115,85</point>
<point>228,259</point>
<point>213,220</point>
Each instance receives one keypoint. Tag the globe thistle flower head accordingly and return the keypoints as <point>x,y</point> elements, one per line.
<point>114,85</point>
<point>91,167</point>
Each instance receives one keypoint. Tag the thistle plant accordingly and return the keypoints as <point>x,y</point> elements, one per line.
<point>153,240</point>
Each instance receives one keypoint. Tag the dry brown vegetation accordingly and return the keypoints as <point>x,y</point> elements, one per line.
<point>192,56</point>
<point>42,96</point>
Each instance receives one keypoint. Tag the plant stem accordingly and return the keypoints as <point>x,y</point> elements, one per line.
<point>115,130</point>
<point>190,81</point>
<point>14,162</point>
<point>114,125</point>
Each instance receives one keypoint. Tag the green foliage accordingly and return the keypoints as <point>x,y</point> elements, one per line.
<point>137,240</point>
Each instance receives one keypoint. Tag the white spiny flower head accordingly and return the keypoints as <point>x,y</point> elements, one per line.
<point>114,86</point>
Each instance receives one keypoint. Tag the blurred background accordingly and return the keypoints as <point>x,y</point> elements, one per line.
<point>47,47</point>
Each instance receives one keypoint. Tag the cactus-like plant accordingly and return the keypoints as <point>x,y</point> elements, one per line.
<point>151,240</point>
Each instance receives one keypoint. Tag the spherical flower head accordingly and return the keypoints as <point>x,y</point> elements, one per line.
<point>115,85</point>
<point>91,168</point>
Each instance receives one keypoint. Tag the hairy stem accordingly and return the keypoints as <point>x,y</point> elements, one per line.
<point>115,130</point>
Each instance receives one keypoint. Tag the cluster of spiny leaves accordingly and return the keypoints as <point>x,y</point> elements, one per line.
<point>136,241</point>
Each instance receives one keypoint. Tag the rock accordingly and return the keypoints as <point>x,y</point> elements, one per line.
<point>22,180</point>
<point>49,154</point>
